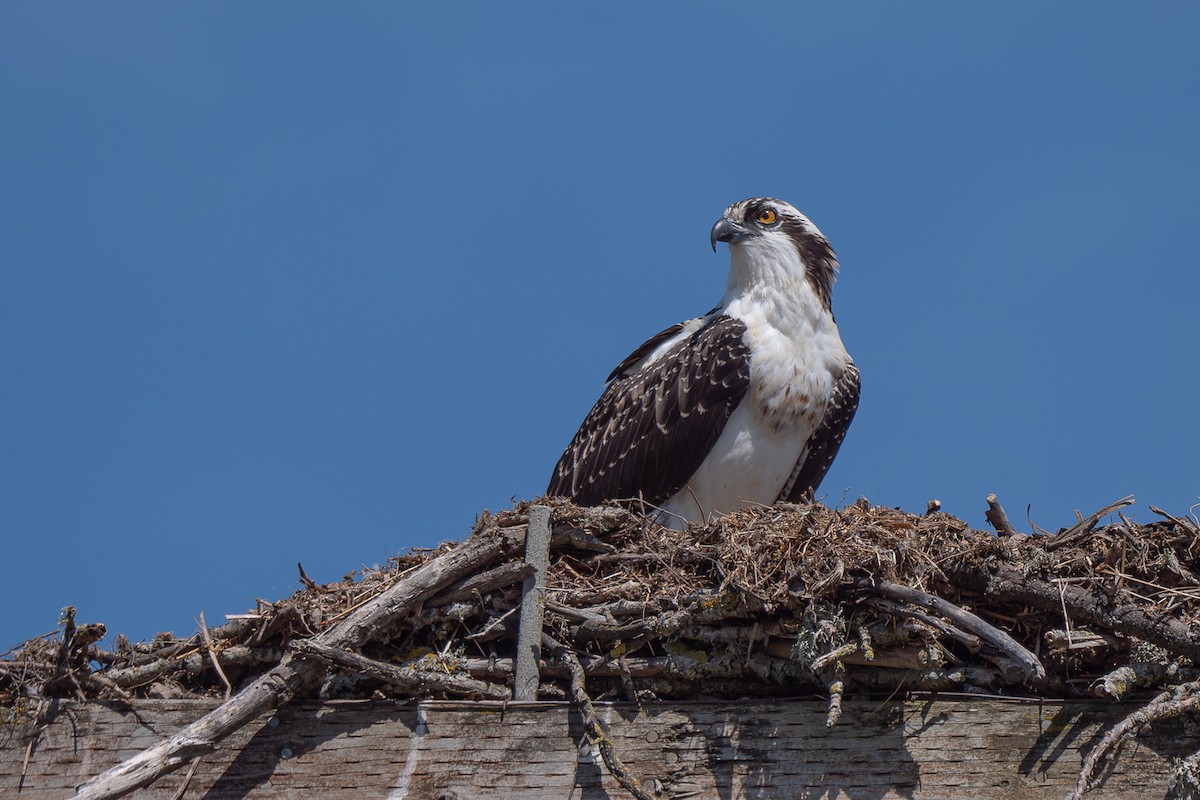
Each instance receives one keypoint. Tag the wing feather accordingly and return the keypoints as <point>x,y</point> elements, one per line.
<point>651,429</point>
<point>823,444</point>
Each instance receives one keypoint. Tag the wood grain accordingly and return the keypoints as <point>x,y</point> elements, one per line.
<point>432,750</point>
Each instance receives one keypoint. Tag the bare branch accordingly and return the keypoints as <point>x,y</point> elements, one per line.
<point>280,684</point>
<point>596,732</point>
<point>1028,663</point>
<point>420,681</point>
<point>996,516</point>
<point>1084,526</point>
<point>1168,704</point>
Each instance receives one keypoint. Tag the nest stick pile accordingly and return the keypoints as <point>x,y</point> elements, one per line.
<point>781,601</point>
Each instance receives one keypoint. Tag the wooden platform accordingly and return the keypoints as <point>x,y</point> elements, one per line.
<point>445,750</point>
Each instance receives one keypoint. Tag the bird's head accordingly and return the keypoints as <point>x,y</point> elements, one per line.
<point>768,237</point>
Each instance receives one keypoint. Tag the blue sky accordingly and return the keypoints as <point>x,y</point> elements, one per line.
<point>290,283</point>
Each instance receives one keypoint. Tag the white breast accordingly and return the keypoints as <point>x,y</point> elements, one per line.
<point>796,357</point>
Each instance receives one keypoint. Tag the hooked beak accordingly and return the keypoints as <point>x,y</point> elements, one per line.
<point>726,231</point>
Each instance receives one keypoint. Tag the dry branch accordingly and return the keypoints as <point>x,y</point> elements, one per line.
<point>1031,668</point>
<point>280,684</point>
<point>483,583</point>
<point>417,681</point>
<point>212,654</point>
<point>1181,700</point>
<point>596,732</point>
<point>1093,607</point>
<point>996,516</point>
<point>970,640</point>
<point>1084,526</point>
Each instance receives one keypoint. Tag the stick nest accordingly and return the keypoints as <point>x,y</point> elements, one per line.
<point>779,601</point>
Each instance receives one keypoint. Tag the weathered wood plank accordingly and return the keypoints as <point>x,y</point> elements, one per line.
<point>359,750</point>
<point>533,605</point>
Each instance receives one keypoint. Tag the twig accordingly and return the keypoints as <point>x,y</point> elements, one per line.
<point>864,643</point>
<point>67,620</point>
<point>1084,526</point>
<point>476,585</point>
<point>659,625</point>
<point>1174,703</point>
<point>580,540</point>
<point>833,657</point>
<point>212,654</point>
<point>996,516</point>
<point>629,782</point>
<point>593,667</point>
<point>187,780</point>
<point>280,684</point>
<point>626,608</point>
<point>1117,684</point>
<point>103,685</point>
<point>579,614</point>
<point>39,726</point>
<point>27,642</point>
<point>942,679</point>
<point>1094,607</point>
<point>836,690</point>
<point>1030,666</point>
<point>489,630</point>
<point>308,582</point>
<point>192,664</point>
<point>1186,524</point>
<point>409,678</point>
<point>25,761</point>
<point>1060,641</point>
<point>970,640</point>
<point>1038,529</point>
<point>1062,596</point>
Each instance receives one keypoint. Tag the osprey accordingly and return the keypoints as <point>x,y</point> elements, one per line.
<point>746,405</point>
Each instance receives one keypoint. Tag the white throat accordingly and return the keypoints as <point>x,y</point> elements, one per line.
<point>768,260</point>
<point>767,281</point>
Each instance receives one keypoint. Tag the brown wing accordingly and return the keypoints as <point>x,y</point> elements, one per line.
<point>823,445</point>
<point>650,430</point>
<point>650,345</point>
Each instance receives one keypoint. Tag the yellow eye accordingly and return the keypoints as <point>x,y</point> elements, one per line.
<point>766,216</point>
